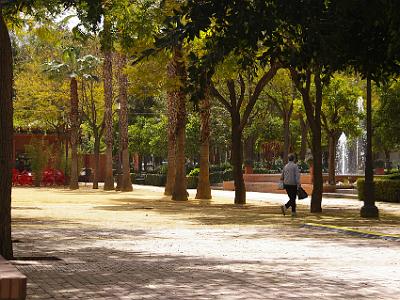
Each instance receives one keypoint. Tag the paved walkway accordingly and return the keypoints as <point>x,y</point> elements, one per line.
<point>140,245</point>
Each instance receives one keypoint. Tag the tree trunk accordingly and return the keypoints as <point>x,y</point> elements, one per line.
<point>286,136</point>
<point>177,70</point>
<point>303,147</point>
<point>108,100</point>
<point>203,186</point>
<point>126,183</point>
<point>248,148</point>
<point>67,138</point>
<point>73,184</point>
<point>369,210</point>
<point>179,192</point>
<point>237,160</point>
<point>118,170</point>
<point>96,160</point>
<point>332,158</point>
<point>316,199</point>
<point>171,172</point>
<point>6,140</point>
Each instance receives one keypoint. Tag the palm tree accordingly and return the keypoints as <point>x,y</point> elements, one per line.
<point>73,67</point>
<point>108,101</point>
<point>203,186</point>
<point>169,186</point>
<point>178,71</point>
<point>90,112</point>
<point>126,184</point>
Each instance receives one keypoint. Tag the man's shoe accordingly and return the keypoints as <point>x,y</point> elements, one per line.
<point>294,215</point>
<point>283,209</point>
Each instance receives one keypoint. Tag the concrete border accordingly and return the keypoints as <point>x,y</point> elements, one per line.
<point>354,232</point>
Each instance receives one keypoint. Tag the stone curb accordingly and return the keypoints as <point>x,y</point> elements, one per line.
<point>353,232</point>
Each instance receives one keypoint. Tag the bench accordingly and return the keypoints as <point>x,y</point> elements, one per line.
<point>12,282</point>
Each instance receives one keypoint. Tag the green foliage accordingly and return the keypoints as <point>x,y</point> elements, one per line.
<point>386,190</point>
<point>303,166</point>
<point>220,168</point>
<point>194,172</point>
<point>163,169</point>
<point>216,177</point>
<point>340,111</point>
<point>386,117</point>
<point>147,136</point>
<point>379,163</point>
<point>394,176</point>
<point>228,175</point>
<point>192,182</point>
<point>192,144</point>
<point>64,165</point>
<point>39,152</point>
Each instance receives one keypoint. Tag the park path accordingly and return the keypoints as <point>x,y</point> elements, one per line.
<point>140,245</point>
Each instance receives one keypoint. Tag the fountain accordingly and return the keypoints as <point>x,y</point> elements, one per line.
<point>350,154</point>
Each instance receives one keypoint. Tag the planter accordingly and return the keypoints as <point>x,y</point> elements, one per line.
<point>379,171</point>
<point>248,169</point>
<point>329,188</point>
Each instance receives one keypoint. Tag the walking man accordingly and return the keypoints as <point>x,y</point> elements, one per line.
<point>291,182</point>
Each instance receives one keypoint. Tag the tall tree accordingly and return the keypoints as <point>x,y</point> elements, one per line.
<point>6,138</point>
<point>126,184</point>
<point>108,98</point>
<point>72,67</point>
<point>6,108</point>
<point>91,110</point>
<point>220,24</point>
<point>308,53</point>
<point>179,192</point>
<point>339,114</point>
<point>172,119</point>
<point>240,110</point>
<point>387,127</point>
<point>369,41</point>
<point>280,91</point>
<point>203,186</point>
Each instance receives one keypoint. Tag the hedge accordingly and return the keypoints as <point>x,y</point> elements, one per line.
<point>155,179</point>
<point>228,175</point>
<point>216,177</point>
<point>386,190</point>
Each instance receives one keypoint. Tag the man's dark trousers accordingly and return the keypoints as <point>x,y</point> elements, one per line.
<point>291,190</point>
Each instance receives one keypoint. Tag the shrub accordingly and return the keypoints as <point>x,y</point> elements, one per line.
<point>394,176</point>
<point>278,164</point>
<point>386,190</point>
<point>265,171</point>
<point>379,164</point>
<point>260,171</point>
<point>194,172</point>
<point>155,179</point>
<point>216,177</point>
<point>228,175</point>
<point>192,182</point>
<point>133,177</point>
<point>39,153</point>
<point>303,166</point>
<point>220,168</point>
<point>163,169</point>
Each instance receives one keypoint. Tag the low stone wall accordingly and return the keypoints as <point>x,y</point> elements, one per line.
<point>12,282</point>
<point>267,183</point>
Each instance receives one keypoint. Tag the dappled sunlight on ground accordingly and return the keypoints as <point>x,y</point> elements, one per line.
<point>141,245</point>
